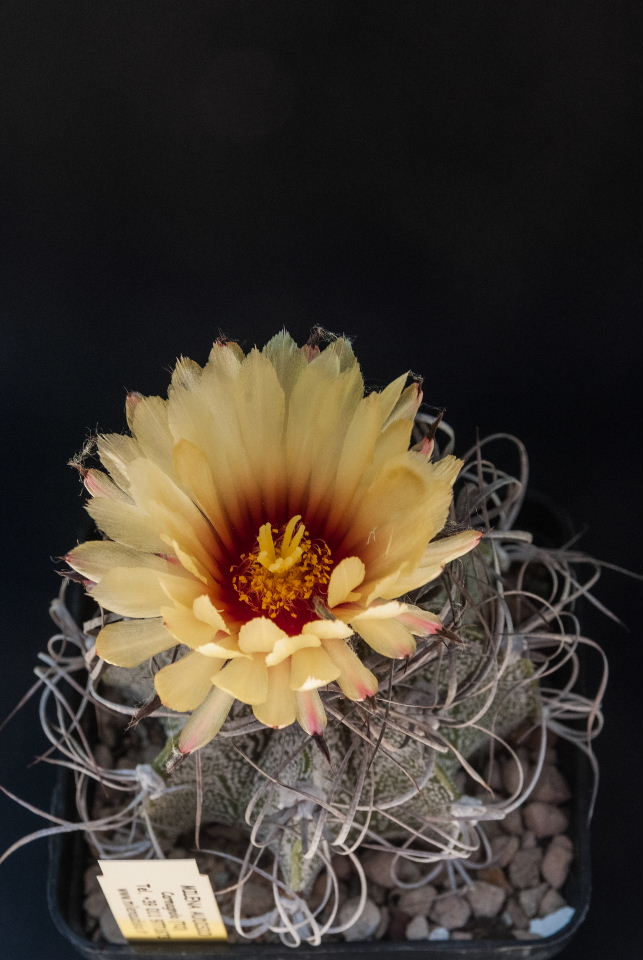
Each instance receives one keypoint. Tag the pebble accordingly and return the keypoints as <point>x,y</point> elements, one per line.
<point>257,899</point>
<point>491,828</point>
<point>496,876</point>
<point>418,929</point>
<point>511,774</point>
<point>512,823</point>
<point>90,878</point>
<point>439,933</point>
<point>504,847</point>
<point>486,899</point>
<point>342,867</point>
<point>377,893</point>
<point>531,898</point>
<point>524,869</point>
<point>551,786</point>
<point>382,926</point>
<point>525,935</point>
<point>529,840</point>
<point>109,928</point>
<point>550,902</point>
<point>545,819</point>
<point>461,935</point>
<point>377,867</point>
<point>558,857</point>
<point>451,911</point>
<point>514,915</point>
<point>366,924</point>
<point>546,926</point>
<point>94,903</point>
<point>418,902</point>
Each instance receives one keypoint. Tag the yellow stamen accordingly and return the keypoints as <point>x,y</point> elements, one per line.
<point>281,572</point>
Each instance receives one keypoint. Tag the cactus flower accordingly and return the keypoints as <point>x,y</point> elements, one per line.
<point>259,518</point>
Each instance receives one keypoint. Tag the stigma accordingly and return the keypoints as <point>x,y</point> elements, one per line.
<point>285,568</point>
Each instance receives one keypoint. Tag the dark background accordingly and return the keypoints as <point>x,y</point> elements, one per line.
<point>455,184</point>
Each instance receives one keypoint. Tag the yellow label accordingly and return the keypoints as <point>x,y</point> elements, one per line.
<point>161,900</point>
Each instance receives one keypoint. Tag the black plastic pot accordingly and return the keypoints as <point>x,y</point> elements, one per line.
<point>67,854</point>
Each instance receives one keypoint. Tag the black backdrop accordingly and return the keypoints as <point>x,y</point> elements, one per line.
<point>455,184</point>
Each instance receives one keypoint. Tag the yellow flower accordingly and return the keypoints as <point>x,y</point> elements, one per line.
<point>260,516</point>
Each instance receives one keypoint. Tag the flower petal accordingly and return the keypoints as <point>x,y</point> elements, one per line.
<point>116,452</point>
<point>311,715</point>
<point>246,679</point>
<point>202,637</point>
<point>100,484</point>
<point>185,684</point>
<point>206,721</point>
<point>327,629</point>
<point>419,621</point>
<point>130,591</point>
<point>206,611</point>
<point>355,680</point>
<point>311,669</point>
<point>286,646</point>
<point>127,643</point>
<point>347,575</point>
<point>388,637</point>
<point>278,709</point>
<point>126,523</point>
<point>150,427</point>
<point>434,559</point>
<point>95,558</point>
<point>381,611</point>
<point>259,635</point>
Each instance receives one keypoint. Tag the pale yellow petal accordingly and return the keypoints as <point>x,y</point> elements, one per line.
<point>327,629</point>
<point>127,643</point>
<point>181,590</point>
<point>185,684</point>
<point>126,523</point>
<point>205,722</point>
<point>259,635</point>
<point>311,715</point>
<point>347,575</point>
<point>278,709</point>
<point>420,622</point>
<point>130,591</point>
<point>434,559</point>
<point>205,610</point>
<point>191,564</point>
<point>388,637</point>
<point>171,511</point>
<point>287,359</point>
<point>100,484</point>
<point>407,405</point>
<point>389,397</point>
<point>195,475</point>
<point>95,558</point>
<point>381,611</point>
<point>355,457</point>
<point>261,413</point>
<point>186,375</point>
<point>116,452</point>
<point>208,640</point>
<point>311,669</point>
<point>245,679</point>
<point>151,430</point>
<point>355,680</point>
<point>286,646</point>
